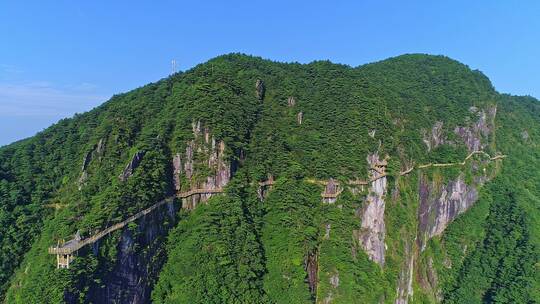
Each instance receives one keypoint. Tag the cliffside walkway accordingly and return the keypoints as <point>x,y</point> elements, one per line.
<point>381,169</point>
<point>65,250</point>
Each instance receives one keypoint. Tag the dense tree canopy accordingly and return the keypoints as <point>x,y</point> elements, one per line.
<point>289,247</point>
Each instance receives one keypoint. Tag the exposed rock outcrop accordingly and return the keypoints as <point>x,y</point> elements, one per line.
<point>434,138</point>
<point>334,283</point>
<point>525,135</point>
<point>474,134</point>
<point>139,258</point>
<point>203,153</point>
<point>312,268</point>
<point>265,187</point>
<point>177,170</point>
<point>131,166</point>
<point>327,229</point>
<point>100,147</point>
<point>291,101</point>
<point>404,288</point>
<point>372,231</point>
<point>299,117</point>
<point>260,89</point>
<point>96,151</point>
<point>429,281</point>
<point>441,204</point>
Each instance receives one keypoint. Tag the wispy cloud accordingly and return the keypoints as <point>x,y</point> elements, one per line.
<point>8,69</point>
<point>46,100</point>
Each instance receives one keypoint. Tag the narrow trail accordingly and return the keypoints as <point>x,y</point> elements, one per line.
<point>76,244</point>
<point>68,248</point>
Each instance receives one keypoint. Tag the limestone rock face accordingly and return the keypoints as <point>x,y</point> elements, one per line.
<point>263,190</point>
<point>525,135</point>
<point>96,152</point>
<point>100,148</point>
<point>475,134</point>
<point>372,232</point>
<point>429,282</point>
<point>132,165</point>
<point>202,153</point>
<point>137,260</point>
<point>327,229</point>
<point>434,138</point>
<point>260,89</point>
<point>299,117</point>
<point>86,160</point>
<point>291,101</point>
<point>439,205</point>
<point>312,268</point>
<point>405,280</point>
<point>334,283</point>
<point>177,170</point>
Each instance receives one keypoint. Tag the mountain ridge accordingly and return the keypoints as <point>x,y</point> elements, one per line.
<point>212,126</point>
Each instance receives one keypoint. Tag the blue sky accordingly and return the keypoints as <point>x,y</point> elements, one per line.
<point>58,58</point>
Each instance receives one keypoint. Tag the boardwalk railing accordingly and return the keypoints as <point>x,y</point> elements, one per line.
<point>74,245</point>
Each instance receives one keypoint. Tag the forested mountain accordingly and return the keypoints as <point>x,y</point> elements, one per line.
<point>409,180</point>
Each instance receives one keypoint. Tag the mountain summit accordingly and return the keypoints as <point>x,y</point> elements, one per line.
<point>242,180</point>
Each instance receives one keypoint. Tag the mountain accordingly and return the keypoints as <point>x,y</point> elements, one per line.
<point>243,180</point>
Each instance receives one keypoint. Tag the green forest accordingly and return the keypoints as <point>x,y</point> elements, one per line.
<point>462,233</point>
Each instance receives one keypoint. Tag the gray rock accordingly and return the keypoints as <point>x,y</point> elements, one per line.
<point>434,138</point>
<point>334,280</point>
<point>525,135</point>
<point>204,147</point>
<point>131,166</point>
<point>475,135</point>
<point>327,231</point>
<point>260,89</point>
<point>137,260</point>
<point>404,290</point>
<point>98,150</point>
<point>372,232</point>
<point>177,170</point>
<point>441,205</point>
<point>291,101</point>
<point>299,117</point>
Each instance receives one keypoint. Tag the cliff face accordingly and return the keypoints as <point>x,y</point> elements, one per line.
<point>404,289</point>
<point>475,136</point>
<point>372,231</point>
<point>388,154</point>
<point>95,153</point>
<point>441,204</point>
<point>204,165</point>
<point>131,166</point>
<point>140,256</point>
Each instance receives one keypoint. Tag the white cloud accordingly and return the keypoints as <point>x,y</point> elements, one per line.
<point>45,100</point>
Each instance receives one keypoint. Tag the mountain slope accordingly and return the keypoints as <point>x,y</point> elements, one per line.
<point>449,186</point>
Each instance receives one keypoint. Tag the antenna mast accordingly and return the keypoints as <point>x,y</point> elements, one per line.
<point>173,66</point>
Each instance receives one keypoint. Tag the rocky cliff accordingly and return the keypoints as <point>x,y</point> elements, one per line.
<point>337,185</point>
<point>203,165</point>
<point>372,231</point>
